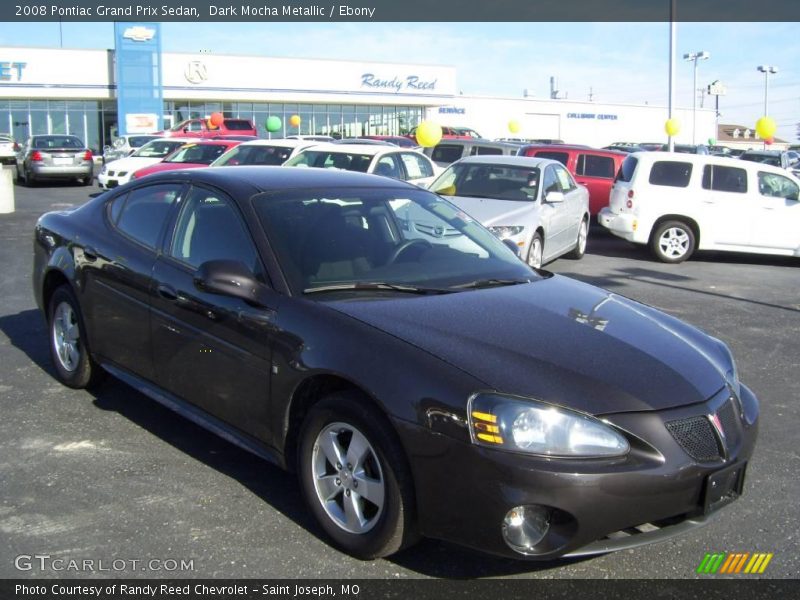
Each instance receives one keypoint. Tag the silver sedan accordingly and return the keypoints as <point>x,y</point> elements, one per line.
<point>54,157</point>
<point>533,204</point>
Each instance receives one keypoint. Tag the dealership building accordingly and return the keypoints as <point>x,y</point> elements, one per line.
<point>99,94</point>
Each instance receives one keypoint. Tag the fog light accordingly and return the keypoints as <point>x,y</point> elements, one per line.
<point>525,526</point>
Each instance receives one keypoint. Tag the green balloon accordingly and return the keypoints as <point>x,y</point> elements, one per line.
<point>274,124</point>
<point>712,142</point>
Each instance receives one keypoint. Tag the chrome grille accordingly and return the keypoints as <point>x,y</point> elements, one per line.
<point>697,438</point>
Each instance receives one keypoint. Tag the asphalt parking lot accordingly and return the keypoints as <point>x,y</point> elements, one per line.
<point>111,475</point>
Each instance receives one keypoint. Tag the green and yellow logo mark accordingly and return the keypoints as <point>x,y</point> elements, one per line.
<point>734,563</point>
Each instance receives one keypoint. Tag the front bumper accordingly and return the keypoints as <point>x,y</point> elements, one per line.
<point>108,182</point>
<point>597,505</point>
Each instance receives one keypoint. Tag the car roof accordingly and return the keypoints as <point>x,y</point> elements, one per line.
<point>371,149</point>
<point>282,142</point>
<point>573,148</point>
<point>210,142</point>
<point>263,178</point>
<point>764,152</point>
<point>707,159</point>
<point>509,161</point>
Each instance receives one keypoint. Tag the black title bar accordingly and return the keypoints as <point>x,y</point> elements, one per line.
<point>401,10</point>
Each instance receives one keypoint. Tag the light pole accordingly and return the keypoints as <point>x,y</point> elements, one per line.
<point>694,57</point>
<point>766,70</point>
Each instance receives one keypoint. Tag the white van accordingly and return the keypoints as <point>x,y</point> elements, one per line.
<point>679,203</point>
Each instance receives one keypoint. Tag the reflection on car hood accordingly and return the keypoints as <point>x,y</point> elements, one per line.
<point>558,340</point>
<point>490,212</point>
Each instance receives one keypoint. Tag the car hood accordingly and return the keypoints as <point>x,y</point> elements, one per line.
<point>163,166</point>
<point>558,340</point>
<point>132,163</point>
<point>490,212</point>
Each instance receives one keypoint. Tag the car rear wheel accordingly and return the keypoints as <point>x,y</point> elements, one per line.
<point>355,477</point>
<point>535,251</point>
<point>68,349</point>
<point>673,242</point>
<point>580,244</point>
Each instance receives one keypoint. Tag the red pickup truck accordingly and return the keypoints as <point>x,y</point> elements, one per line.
<point>199,128</point>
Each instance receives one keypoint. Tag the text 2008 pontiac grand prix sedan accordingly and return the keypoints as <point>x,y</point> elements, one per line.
<point>421,380</point>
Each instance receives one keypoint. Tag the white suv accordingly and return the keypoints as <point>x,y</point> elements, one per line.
<point>679,203</point>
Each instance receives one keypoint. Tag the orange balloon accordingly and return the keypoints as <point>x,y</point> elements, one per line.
<point>295,120</point>
<point>210,124</point>
<point>216,119</point>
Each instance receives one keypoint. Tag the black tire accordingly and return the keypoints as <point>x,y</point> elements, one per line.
<point>580,244</point>
<point>87,181</point>
<point>80,372</point>
<point>673,242</point>
<point>30,181</point>
<point>531,259</point>
<point>393,525</point>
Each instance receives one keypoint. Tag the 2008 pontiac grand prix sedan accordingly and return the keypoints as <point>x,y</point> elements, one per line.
<point>421,380</point>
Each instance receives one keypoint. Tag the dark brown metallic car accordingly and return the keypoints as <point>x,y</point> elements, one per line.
<point>420,382</point>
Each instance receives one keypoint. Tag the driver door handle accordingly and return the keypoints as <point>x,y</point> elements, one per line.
<point>167,292</point>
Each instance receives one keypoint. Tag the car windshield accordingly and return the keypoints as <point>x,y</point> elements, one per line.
<point>254,155</point>
<point>498,182</point>
<point>137,141</point>
<point>766,159</point>
<point>157,149</point>
<point>327,159</point>
<point>392,237</point>
<point>57,141</point>
<point>199,154</point>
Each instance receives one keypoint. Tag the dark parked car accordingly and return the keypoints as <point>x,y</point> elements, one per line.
<point>786,159</point>
<point>54,157</point>
<point>434,386</point>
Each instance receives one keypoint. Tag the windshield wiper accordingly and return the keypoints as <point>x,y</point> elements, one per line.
<point>485,283</point>
<point>358,286</point>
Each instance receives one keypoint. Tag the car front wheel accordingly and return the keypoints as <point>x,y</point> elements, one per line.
<point>68,349</point>
<point>535,251</point>
<point>580,244</point>
<point>355,477</point>
<point>673,242</point>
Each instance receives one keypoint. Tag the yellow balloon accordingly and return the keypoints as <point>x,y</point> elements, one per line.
<point>294,120</point>
<point>428,134</point>
<point>672,127</point>
<point>514,126</point>
<point>766,127</point>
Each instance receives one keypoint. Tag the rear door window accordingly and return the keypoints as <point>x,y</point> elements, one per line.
<point>416,166</point>
<point>561,157</point>
<point>145,212</point>
<point>447,153</point>
<point>477,150</point>
<point>627,169</point>
<point>725,179</point>
<point>590,165</point>
<point>671,173</point>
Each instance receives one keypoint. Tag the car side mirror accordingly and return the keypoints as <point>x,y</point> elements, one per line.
<point>554,197</point>
<point>186,129</point>
<point>449,190</point>
<point>513,247</point>
<point>231,278</point>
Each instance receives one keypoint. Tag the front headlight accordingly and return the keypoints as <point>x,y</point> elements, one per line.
<point>534,427</point>
<point>506,231</point>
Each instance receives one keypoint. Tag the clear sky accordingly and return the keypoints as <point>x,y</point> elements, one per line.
<point>615,62</point>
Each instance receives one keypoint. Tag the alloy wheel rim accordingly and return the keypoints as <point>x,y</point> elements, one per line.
<point>348,478</point>
<point>674,242</point>
<point>535,254</point>
<point>66,336</point>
